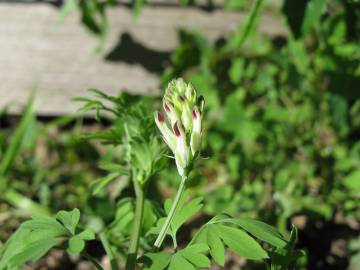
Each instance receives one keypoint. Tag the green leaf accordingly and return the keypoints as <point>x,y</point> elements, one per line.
<point>44,223</point>
<point>352,181</point>
<point>180,263</point>
<point>185,213</point>
<point>158,261</point>
<point>217,249</point>
<point>261,230</point>
<point>236,70</point>
<point>76,245</point>
<point>138,5</point>
<point>69,219</point>
<point>191,257</point>
<point>313,11</point>
<point>87,234</point>
<point>99,184</point>
<point>34,251</point>
<point>194,255</point>
<point>67,7</point>
<point>240,242</point>
<point>17,140</point>
<point>37,236</point>
<point>282,258</point>
<point>114,167</point>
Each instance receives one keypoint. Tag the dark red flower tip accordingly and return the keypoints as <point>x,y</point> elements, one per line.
<point>166,107</point>
<point>194,114</point>
<point>176,130</point>
<point>160,117</point>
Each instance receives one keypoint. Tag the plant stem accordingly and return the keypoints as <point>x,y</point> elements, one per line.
<point>170,216</point>
<point>21,202</point>
<point>135,234</point>
<point>92,260</point>
<point>109,252</point>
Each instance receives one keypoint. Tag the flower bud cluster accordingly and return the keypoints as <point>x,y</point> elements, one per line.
<point>183,112</point>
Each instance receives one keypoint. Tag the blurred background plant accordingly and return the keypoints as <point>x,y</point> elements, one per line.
<point>283,131</point>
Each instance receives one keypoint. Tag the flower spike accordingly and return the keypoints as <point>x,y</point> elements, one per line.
<point>183,111</point>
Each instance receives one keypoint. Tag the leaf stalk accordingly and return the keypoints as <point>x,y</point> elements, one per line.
<point>135,234</point>
<point>171,214</point>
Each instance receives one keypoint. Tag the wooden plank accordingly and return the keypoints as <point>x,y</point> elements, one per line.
<point>36,48</point>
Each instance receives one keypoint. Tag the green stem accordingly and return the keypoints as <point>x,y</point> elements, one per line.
<point>170,216</point>
<point>21,202</point>
<point>108,250</point>
<point>92,260</point>
<point>135,234</point>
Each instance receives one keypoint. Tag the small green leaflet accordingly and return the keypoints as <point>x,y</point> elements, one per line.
<point>120,229</point>
<point>240,242</point>
<point>352,181</point>
<point>221,231</point>
<point>35,237</point>
<point>77,242</point>
<point>283,258</point>
<point>261,230</point>
<point>190,258</point>
<point>31,241</point>
<point>99,184</point>
<point>183,213</point>
<point>69,219</point>
<point>313,11</point>
<point>115,170</point>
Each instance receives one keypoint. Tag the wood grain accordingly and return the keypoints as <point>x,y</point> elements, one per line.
<point>37,48</point>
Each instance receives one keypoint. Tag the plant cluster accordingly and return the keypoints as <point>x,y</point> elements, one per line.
<point>134,235</point>
<point>279,140</point>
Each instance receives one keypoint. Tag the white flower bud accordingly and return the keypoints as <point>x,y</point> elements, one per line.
<point>190,94</point>
<point>195,140</point>
<point>184,113</point>
<point>186,117</point>
<point>166,133</point>
<point>182,156</point>
<point>171,112</point>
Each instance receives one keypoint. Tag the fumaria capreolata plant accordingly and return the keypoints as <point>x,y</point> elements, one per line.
<point>134,236</point>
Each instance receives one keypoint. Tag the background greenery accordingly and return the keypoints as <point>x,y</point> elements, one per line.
<point>282,134</point>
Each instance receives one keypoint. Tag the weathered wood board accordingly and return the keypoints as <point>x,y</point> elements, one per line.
<point>37,48</point>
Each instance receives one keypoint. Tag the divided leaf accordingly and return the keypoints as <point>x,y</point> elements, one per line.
<point>35,237</point>
<point>77,242</point>
<point>261,231</point>
<point>33,251</point>
<point>99,184</point>
<point>157,261</point>
<point>217,249</point>
<point>282,258</point>
<point>192,257</point>
<point>183,213</point>
<point>241,243</point>
<point>221,231</point>
<point>69,219</point>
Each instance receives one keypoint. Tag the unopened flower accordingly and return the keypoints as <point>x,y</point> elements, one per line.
<point>183,110</point>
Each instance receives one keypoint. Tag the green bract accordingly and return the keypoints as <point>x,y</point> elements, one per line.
<point>183,110</point>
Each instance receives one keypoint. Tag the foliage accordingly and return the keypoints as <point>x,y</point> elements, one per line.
<point>35,237</point>
<point>283,133</point>
<point>282,146</point>
<point>136,220</point>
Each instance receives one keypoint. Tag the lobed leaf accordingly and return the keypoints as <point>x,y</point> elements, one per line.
<point>261,231</point>
<point>69,219</point>
<point>217,249</point>
<point>240,242</point>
